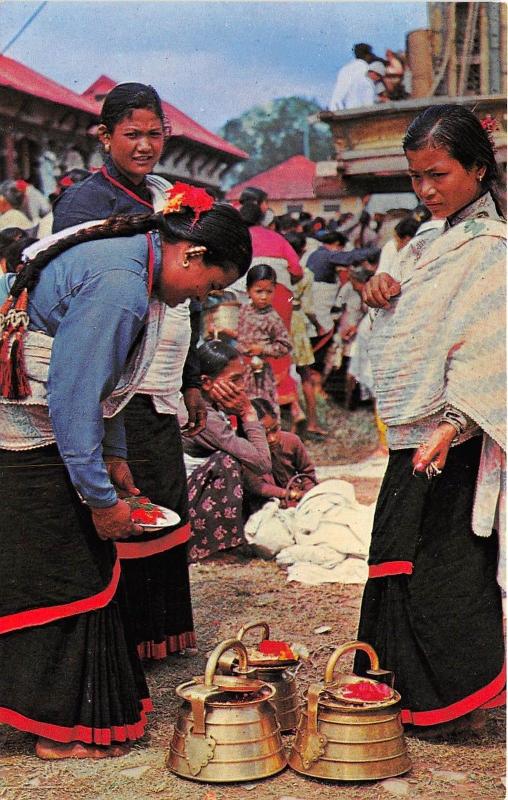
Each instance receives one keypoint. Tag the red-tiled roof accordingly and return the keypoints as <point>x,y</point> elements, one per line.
<point>20,77</point>
<point>181,124</point>
<point>291,180</point>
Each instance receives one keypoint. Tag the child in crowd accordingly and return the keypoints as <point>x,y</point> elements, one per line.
<point>262,335</point>
<point>304,324</point>
<point>289,459</point>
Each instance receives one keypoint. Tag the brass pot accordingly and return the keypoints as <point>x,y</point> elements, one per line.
<point>280,674</point>
<point>226,729</point>
<point>343,740</point>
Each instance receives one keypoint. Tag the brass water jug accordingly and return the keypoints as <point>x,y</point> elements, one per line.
<point>345,739</point>
<point>226,729</point>
<point>280,673</point>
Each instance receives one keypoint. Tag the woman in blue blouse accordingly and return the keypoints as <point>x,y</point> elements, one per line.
<point>70,672</point>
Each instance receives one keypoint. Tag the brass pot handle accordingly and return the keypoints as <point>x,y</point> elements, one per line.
<point>250,626</point>
<point>346,648</point>
<point>313,743</point>
<point>213,660</point>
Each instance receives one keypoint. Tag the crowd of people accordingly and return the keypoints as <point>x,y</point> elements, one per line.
<point>114,385</point>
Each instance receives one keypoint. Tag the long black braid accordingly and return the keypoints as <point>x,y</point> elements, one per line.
<point>221,230</point>
<point>121,225</point>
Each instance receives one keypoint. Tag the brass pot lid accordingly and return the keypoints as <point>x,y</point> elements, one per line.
<point>210,683</point>
<point>339,695</point>
<point>233,683</point>
<point>224,693</point>
<point>257,659</point>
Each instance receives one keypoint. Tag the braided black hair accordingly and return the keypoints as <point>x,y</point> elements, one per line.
<point>220,229</point>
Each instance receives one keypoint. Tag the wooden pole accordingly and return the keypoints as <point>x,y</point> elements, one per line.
<point>420,62</point>
<point>485,52</point>
<point>451,43</point>
<point>502,46</point>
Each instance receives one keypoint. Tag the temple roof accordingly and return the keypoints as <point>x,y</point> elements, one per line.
<point>15,75</point>
<point>291,180</point>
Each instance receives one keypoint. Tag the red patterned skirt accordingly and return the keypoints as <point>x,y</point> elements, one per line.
<point>215,506</point>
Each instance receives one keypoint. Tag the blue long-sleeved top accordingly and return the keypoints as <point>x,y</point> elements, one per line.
<point>93,300</point>
<point>97,198</point>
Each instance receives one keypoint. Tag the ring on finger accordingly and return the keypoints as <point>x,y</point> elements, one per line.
<point>432,470</point>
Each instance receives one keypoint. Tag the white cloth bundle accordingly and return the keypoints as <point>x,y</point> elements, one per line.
<point>325,539</point>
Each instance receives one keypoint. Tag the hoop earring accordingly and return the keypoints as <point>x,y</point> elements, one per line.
<point>186,262</point>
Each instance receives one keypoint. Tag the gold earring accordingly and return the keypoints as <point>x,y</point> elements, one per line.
<point>192,252</point>
<point>481,177</point>
<point>107,148</point>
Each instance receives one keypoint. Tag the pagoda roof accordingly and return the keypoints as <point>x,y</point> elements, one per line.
<point>293,179</point>
<point>17,76</point>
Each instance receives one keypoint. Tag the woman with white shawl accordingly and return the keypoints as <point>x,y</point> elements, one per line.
<point>432,605</point>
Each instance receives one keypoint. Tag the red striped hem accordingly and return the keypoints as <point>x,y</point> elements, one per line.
<point>498,700</point>
<point>41,616</point>
<point>173,644</point>
<point>480,699</point>
<point>124,189</point>
<point>390,568</point>
<point>324,340</point>
<point>79,733</point>
<point>154,546</point>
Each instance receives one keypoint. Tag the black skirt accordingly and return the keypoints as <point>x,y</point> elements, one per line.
<point>155,565</point>
<point>432,606</point>
<point>70,670</point>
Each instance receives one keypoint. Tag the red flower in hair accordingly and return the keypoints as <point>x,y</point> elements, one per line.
<point>182,194</point>
<point>489,123</point>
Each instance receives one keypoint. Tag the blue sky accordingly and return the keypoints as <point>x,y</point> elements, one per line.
<point>211,59</point>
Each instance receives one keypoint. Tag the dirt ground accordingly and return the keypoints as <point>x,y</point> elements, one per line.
<point>228,592</point>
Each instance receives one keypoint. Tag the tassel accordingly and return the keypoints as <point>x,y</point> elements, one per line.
<point>14,383</point>
<point>5,367</point>
<point>20,385</point>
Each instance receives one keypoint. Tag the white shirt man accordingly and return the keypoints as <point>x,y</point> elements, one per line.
<point>357,82</point>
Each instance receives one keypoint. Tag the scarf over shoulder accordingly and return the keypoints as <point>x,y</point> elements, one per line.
<point>442,341</point>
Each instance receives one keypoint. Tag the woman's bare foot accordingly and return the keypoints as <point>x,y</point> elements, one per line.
<point>297,414</point>
<point>52,751</point>
<point>188,652</point>
<point>316,429</point>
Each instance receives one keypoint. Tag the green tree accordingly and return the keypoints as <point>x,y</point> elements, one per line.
<point>275,131</point>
